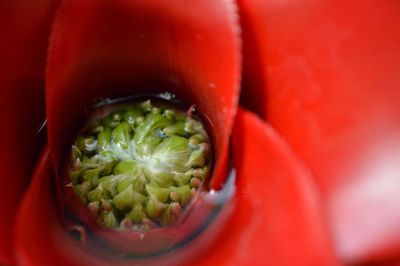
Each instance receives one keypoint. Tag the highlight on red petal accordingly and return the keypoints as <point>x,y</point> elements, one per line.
<point>119,48</point>
<point>23,43</point>
<point>326,75</point>
<point>277,218</point>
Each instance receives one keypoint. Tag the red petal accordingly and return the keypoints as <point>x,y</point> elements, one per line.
<point>119,48</point>
<point>277,219</point>
<point>23,42</point>
<point>332,75</point>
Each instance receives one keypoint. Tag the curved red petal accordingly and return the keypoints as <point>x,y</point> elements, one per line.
<point>37,218</point>
<point>23,43</point>
<point>126,47</point>
<point>331,75</point>
<point>277,218</point>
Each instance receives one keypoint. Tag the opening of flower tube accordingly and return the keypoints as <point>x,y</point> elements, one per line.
<point>142,176</point>
<point>139,165</point>
<point>140,168</point>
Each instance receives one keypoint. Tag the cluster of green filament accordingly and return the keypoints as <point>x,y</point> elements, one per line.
<point>140,165</point>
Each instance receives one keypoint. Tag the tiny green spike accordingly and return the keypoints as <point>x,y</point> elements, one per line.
<point>154,207</point>
<point>183,178</point>
<point>196,159</point>
<point>184,193</point>
<point>109,184</point>
<point>161,179</point>
<point>137,214</point>
<point>170,114</point>
<point>131,115</point>
<point>149,127</point>
<point>160,193</point>
<point>109,219</point>
<point>176,129</point>
<point>146,106</point>
<point>197,139</point>
<point>192,126</point>
<point>92,175</point>
<point>104,139</point>
<point>173,153</point>
<point>121,135</point>
<point>137,180</point>
<point>96,194</point>
<point>128,198</point>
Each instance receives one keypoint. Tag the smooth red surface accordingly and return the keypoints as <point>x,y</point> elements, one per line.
<point>23,43</point>
<point>277,219</point>
<point>331,77</point>
<point>121,48</point>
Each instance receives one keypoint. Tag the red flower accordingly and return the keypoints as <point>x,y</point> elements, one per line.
<point>319,190</point>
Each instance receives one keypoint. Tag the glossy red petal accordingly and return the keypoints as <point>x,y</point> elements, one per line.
<point>277,218</point>
<point>127,47</point>
<point>36,244</point>
<point>23,43</point>
<point>326,75</point>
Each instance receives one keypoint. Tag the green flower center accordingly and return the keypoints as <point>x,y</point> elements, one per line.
<point>139,165</point>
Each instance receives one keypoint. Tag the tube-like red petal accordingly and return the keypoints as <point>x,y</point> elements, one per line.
<point>330,73</point>
<point>127,47</point>
<point>23,43</point>
<point>277,219</point>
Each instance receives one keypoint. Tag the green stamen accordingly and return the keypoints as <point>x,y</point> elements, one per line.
<point>139,166</point>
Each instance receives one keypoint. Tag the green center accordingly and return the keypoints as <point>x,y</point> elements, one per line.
<point>139,165</point>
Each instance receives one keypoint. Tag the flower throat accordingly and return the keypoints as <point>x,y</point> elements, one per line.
<point>137,165</point>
